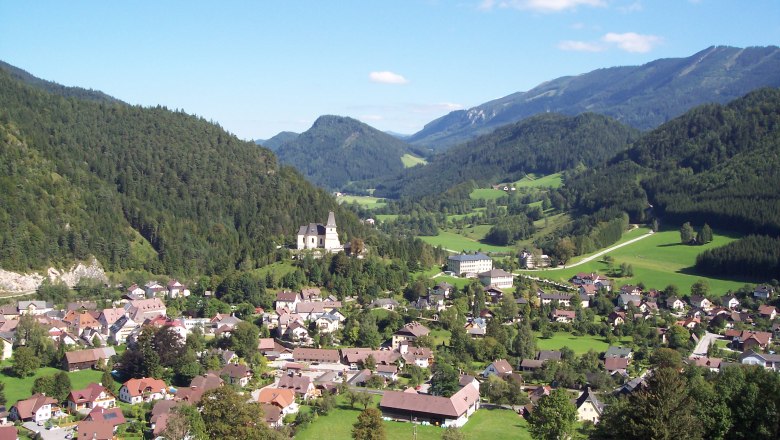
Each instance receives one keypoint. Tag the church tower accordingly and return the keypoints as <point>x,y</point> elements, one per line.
<point>331,236</point>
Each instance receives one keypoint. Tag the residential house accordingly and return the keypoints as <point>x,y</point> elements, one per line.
<point>311,294</point>
<point>498,367</point>
<point>469,263</point>
<point>237,374</point>
<point>701,302</point>
<point>618,352</point>
<point>93,396</point>
<point>34,307</point>
<point>729,301</point>
<point>80,320</point>
<point>616,365</point>
<point>496,277</point>
<point>7,345</point>
<point>626,299</point>
<point>282,398</point>
<point>616,318</point>
<point>713,364</point>
<point>301,385</point>
<point>476,328</point>
<point>767,311</point>
<point>564,316</point>
<point>321,355</point>
<point>113,415</point>
<point>443,289</point>
<point>142,309</point>
<point>36,408</point>
<point>675,303</point>
<point>296,332</point>
<point>409,333</point>
<point>420,356</point>
<point>135,291</point>
<point>85,359</point>
<point>329,322</point>
<point>493,294</point>
<point>529,261</point>
<point>630,289</point>
<point>177,289</point>
<point>94,430</point>
<point>142,390</point>
<point>748,340</point>
<point>588,290</point>
<point>384,303</point>
<point>436,410</point>
<point>768,361</point>
<point>541,357</point>
<point>8,433</point>
<point>272,416</point>
<point>109,317</point>
<point>198,386</point>
<point>589,408</point>
<point>763,291</point>
<point>121,329</point>
<point>564,299</point>
<point>584,300</point>
<point>388,372</point>
<point>286,299</point>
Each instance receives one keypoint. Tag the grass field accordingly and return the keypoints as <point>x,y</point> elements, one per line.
<point>278,269</point>
<point>457,243</point>
<point>533,181</point>
<point>578,344</point>
<point>658,261</point>
<point>483,425</point>
<point>386,217</point>
<point>440,336</point>
<point>367,202</point>
<point>487,194</point>
<point>473,232</point>
<point>17,388</point>
<point>410,160</point>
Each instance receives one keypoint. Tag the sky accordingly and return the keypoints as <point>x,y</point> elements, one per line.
<point>261,67</point>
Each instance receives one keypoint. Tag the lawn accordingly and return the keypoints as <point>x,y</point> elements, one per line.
<point>532,181</point>
<point>278,269</point>
<point>578,344</point>
<point>474,232</point>
<point>386,217</point>
<point>16,388</point>
<point>440,336</point>
<point>658,261</point>
<point>410,160</point>
<point>367,202</point>
<point>483,425</point>
<point>486,194</point>
<point>457,243</point>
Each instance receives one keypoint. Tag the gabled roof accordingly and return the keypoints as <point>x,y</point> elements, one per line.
<point>27,407</point>
<point>548,355</point>
<point>112,415</point>
<point>502,366</point>
<point>588,396</point>
<point>622,352</point>
<point>93,430</point>
<point>136,387</point>
<point>88,394</point>
<point>287,296</point>
<point>452,407</point>
<point>281,397</point>
<point>235,371</point>
<point>316,355</point>
<point>299,384</point>
<point>413,328</point>
<point>89,355</point>
<point>496,273</point>
<point>615,363</point>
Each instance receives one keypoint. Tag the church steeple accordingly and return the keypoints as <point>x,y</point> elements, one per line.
<point>331,220</point>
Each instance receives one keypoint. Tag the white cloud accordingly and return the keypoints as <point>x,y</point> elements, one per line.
<point>632,42</point>
<point>540,5</point>
<point>633,7</point>
<point>580,46</point>
<point>386,77</point>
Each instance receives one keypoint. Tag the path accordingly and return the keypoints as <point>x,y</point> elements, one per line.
<point>704,344</point>
<point>605,251</point>
<point>4,295</point>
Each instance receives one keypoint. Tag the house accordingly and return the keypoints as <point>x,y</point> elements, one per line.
<point>113,415</point>
<point>409,333</point>
<point>564,299</point>
<point>436,410</point>
<point>626,299</point>
<point>142,390</point>
<point>529,261</point>
<point>142,309</point>
<point>34,307</point>
<point>85,359</point>
<point>282,398</point>
<point>296,332</point>
<point>360,378</point>
<point>616,318</point>
<point>329,322</point>
<point>763,292</point>
<point>588,289</point>
<point>496,277</point>
<point>272,415</point>
<point>135,291</point>
<point>36,408</point>
<point>177,289</point>
<point>729,301</point>
<point>713,364</point>
<point>748,340</point>
<point>94,430</point>
<point>286,299</point>
<point>109,317</point>
<point>153,288</point>
<point>584,300</point>
<point>80,320</point>
<point>767,311</point>
<point>384,303</point>
<point>420,356</point>
<point>321,355</point>
<point>309,311</point>
<point>9,433</point>
<point>589,408</point>
<point>493,294</point>
<point>630,289</point>
<point>768,361</point>
<point>237,374</point>
<point>469,263</point>
<point>700,302</point>
<point>498,367</point>
<point>564,316</point>
<point>121,329</point>
<point>318,236</point>
<point>615,364</point>
<point>541,357</point>
<point>198,386</point>
<point>311,294</point>
<point>301,385</point>
<point>7,345</point>
<point>389,372</point>
<point>443,289</point>
<point>93,396</point>
<point>618,352</point>
<point>674,303</point>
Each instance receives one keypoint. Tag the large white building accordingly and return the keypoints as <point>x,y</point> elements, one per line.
<point>317,236</point>
<point>469,263</point>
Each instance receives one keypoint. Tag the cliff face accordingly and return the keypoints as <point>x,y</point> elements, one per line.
<point>14,282</point>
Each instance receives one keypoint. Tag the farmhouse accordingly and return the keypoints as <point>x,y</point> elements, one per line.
<point>301,354</point>
<point>409,333</point>
<point>84,359</point>
<point>317,236</point>
<point>436,410</point>
<point>469,263</point>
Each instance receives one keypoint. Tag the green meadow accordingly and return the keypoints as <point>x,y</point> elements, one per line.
<point>532,181</point>
<point>19,388</point>
<point>367,202</point>
<point>578,344</point>
<point>410,160</point>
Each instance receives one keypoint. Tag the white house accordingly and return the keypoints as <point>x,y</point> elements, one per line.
<point>142,390</point>
<point>496,277</point>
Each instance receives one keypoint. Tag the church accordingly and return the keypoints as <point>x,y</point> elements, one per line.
<point>317,236</point>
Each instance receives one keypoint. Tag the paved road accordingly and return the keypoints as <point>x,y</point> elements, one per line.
<point>704,344</point>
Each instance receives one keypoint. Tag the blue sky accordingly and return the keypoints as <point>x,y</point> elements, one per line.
<point>260,67</point>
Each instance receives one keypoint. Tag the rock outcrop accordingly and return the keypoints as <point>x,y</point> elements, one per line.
<point>18,283</point>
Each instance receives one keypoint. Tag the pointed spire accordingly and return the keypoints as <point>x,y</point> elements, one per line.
<point>331,220</point>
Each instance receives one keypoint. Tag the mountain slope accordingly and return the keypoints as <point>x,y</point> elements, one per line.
<point>57,89</point>
<point>717,164</point>
<point>82,177</point>
<point>543,144</point>
<point>337,150</point>
<point>641,96</point>
<point>278,140</point>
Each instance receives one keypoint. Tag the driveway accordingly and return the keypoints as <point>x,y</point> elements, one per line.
<point>704,344</point>
<point>49,434</point>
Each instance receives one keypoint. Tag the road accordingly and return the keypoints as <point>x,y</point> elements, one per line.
<point>704,344</point>
<point>608,250</point>
<point>4,294</point>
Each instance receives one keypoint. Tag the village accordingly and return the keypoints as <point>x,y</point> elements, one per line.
<point>295,359</point>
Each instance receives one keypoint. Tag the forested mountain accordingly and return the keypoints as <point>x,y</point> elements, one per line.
<point>275,142</point>
<point>57,89</point>
<point>140,188</point>
<point>641,96</point>
<point>543,144</point>
<point>337,150</point>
